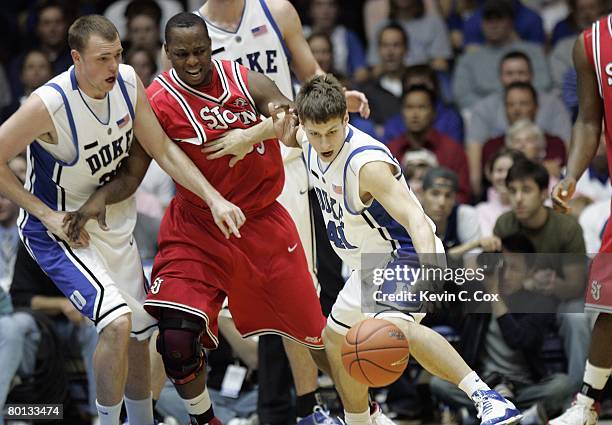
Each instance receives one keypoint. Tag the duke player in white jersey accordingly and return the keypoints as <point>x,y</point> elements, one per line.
<point>368,208</point>
<point>79,128</point>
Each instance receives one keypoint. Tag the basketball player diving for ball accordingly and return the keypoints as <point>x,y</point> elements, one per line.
<point>368,208</point>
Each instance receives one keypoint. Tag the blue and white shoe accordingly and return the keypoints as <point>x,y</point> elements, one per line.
<point>493,409</point>
<point>320,416</point>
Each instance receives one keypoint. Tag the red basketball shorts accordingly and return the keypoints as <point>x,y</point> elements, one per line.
<point>263,274</point>
<point>599,289</point>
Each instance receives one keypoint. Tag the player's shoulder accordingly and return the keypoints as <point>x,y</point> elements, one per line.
<point>128,74</point>
<point>361,141</point>
<point>54,92</point>
<point>283,12</point>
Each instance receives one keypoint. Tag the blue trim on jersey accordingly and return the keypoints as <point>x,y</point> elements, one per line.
<point>75,139</point>
<point>73,80</point>
<point>347,139</point>
<point>348,161</point>
<point>222,29</point>
<point>93,113</point>
<point>43,166</point>
<point>396,231</point>
<point>58,266</point>
<point>125,95</point>
<point>276,29</point>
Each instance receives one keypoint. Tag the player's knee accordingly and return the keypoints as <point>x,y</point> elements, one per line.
<point>119,329</point>
<point>179,345</point>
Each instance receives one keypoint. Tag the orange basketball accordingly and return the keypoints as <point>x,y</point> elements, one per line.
<point>375,352</point>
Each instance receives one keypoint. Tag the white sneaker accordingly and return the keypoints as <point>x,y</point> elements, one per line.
<point>378,417</point>
<point>493,409</point>
<point>578,414</point>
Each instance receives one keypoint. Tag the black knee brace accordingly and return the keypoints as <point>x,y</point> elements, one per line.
<point>179,344</point>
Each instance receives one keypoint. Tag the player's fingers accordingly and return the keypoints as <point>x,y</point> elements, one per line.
<point>221,225</point>
<point>217,154</point>
<point>232,226</point>
<point>102,220</point>
<point>238,217</point>
<point>364,110</point>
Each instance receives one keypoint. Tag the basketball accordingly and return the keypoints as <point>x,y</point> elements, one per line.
<point>375,352</point>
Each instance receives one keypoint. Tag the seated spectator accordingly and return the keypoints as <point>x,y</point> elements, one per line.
<point>144,63</point>
<point>9,238</point>
<point>456,224</point>
<point>419,114</point>
<point>349,54</point>
<point>384,85</point>
<point>143,19</point>
<point>448,121</point>
<point>527,24</point>
<point>477,71</point>
<point>498,200</point>
<point>415,164</point>
<point>551,232</point>
<point>32,289</point>
<point>527,138</point>
<point>323,51</point>
<point>487,118</point>
<point>582,14</point>
<point>429,42</point>
<point>36,71</point>
<point>521,103</point>
<point>457,13</point>
<point>50,37</point>
<point>116,12</point>
<point>504,346</point>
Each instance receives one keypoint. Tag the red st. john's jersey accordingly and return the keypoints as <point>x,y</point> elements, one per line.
<point>193,116</point>
<point>598,47</point>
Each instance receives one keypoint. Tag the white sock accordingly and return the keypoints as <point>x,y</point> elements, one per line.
<point>584,400</point>
<point>471,383</point>
<point>109,415</point>
<point>139,411</point>
<point>199,404</point>
<point>595,376</point>
<point>358,418</point>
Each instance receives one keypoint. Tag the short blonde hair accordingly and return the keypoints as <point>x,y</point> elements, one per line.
<point>86,26</point>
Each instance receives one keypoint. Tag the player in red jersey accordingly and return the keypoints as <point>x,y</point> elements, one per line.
<point>263,272</point>
<point>593,62</point>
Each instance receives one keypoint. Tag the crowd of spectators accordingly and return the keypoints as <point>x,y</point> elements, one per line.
<point>475,98</point>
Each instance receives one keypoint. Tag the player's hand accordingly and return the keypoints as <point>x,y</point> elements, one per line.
<point>74,222</point>
<point>562,193</point>
<point>228,217</point>
<point>54,222</point>
<point>286,123</point>
<point>233,142</point>
<point>71,312</point>
<point>490,244</point>
<point>356,101</point>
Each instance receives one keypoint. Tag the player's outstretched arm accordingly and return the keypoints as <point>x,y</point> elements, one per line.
<point>121,187</point>
<point>15,135</point>
<point>173,161</point>
<point>376,180</point>
<point>239,142</point>
<point>587,128</point>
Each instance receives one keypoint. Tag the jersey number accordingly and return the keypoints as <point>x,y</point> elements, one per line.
<point>336,236</point>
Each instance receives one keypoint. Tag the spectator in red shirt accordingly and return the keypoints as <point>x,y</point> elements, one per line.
<point>418,110</point>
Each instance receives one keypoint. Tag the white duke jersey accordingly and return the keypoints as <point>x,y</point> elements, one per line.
<point>354,228</point>
<point>257,44</point>
<point>89,151</point>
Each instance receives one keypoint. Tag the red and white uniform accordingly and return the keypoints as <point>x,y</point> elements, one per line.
<point>264,274</point>
<point>598,46</point>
